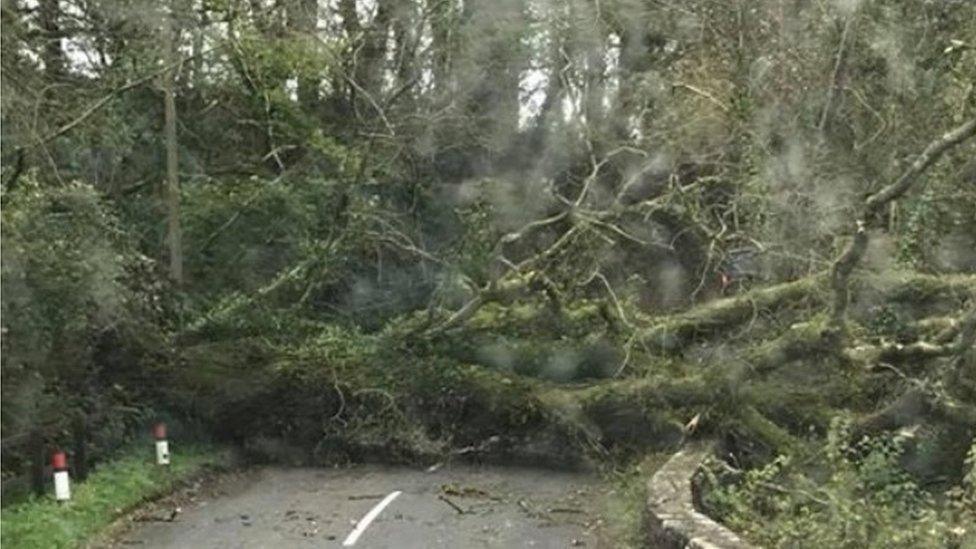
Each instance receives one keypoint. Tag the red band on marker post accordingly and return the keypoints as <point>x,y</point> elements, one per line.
<point>159,431</point>
<point>59,461</point>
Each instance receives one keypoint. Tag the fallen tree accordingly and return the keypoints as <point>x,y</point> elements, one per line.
<point>762,369</point>
<point>766,391</point>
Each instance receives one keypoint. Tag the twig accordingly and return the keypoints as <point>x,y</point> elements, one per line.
<point>933,152</point>
<point>453,505</point>
<point>97,105</point>
<point>702,93</point>
<point>613,296</point>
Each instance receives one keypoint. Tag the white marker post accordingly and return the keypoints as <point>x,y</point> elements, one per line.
<point>62,485</point>
<point>162,446</point>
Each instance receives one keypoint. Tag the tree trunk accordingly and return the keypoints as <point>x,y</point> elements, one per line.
<point>48,12</point>
<point>443,25</point>
<point>352,29</point>
<point>405,39</point>
<point>371,57</point>
<point>303,20</point>
<point>558,64</point>
<point>174,235</point>
<point>196,75</point>
<point>495,68</point>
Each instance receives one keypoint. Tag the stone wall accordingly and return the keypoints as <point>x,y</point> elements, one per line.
<point>674,523</point>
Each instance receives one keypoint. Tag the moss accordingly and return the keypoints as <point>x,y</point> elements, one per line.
<point>675,332</point>
<point>917,287</point>
<point>532,319</point>
<point>756,426</point>
<point>633,425</point>
<point>812,341</point>
<point>585,312</point>
<point>800,408</point>
<point>469,403</point>
<point>555,360</point>
<point>496,315</point>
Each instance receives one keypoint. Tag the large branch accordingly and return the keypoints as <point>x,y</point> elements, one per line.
<point>854,253</point>
<point>933,152</point>
<point>958,337</point>
<point>675,332</point>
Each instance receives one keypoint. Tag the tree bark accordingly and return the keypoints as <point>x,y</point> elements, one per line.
<point>196,74</point>
<point>303,20</point>
<point>48,12</point>
<point>835,75</point>
<point>174,235</point>
<point>495,66</point>
<point>558,64</point>
<point>405,37</point>
<point>372,56</point>
<point>443,30</point>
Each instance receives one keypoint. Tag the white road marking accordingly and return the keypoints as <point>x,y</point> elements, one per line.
<point>366,520</point>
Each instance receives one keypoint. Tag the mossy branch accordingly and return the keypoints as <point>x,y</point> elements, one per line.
<point>929,156</point>
<point>852,255</point>
<point>673,333</point>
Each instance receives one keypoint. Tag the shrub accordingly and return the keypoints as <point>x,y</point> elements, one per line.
<point>850,495</point>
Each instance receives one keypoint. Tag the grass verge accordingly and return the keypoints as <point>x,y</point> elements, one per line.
<point>626,506</point>
<point>112,490</point>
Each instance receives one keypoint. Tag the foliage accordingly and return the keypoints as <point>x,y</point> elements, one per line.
<point>87,305</point>
<point>845,495</point>
<point>243,233</point>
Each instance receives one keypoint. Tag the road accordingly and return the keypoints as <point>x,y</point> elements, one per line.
<point>456,506</point>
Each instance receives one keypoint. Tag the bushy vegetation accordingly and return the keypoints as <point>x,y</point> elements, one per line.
<point>85,317</point>
<point>847,494</point>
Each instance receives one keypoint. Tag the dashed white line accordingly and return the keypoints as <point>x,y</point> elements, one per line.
<point>368,518</point>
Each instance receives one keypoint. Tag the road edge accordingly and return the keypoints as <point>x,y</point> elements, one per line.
<point>230,461</point>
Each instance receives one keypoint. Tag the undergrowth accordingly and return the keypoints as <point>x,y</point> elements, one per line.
<point>845,495</point>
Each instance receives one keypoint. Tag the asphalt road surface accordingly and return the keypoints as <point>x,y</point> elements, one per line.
<point>375,506</point>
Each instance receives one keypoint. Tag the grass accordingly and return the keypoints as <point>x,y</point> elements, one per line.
<point>625,507</point>
<point>113,489</point>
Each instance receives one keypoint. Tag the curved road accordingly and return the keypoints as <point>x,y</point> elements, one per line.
<point>377,506</point>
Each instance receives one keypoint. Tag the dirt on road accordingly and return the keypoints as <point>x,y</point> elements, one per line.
<point>454,506</point>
